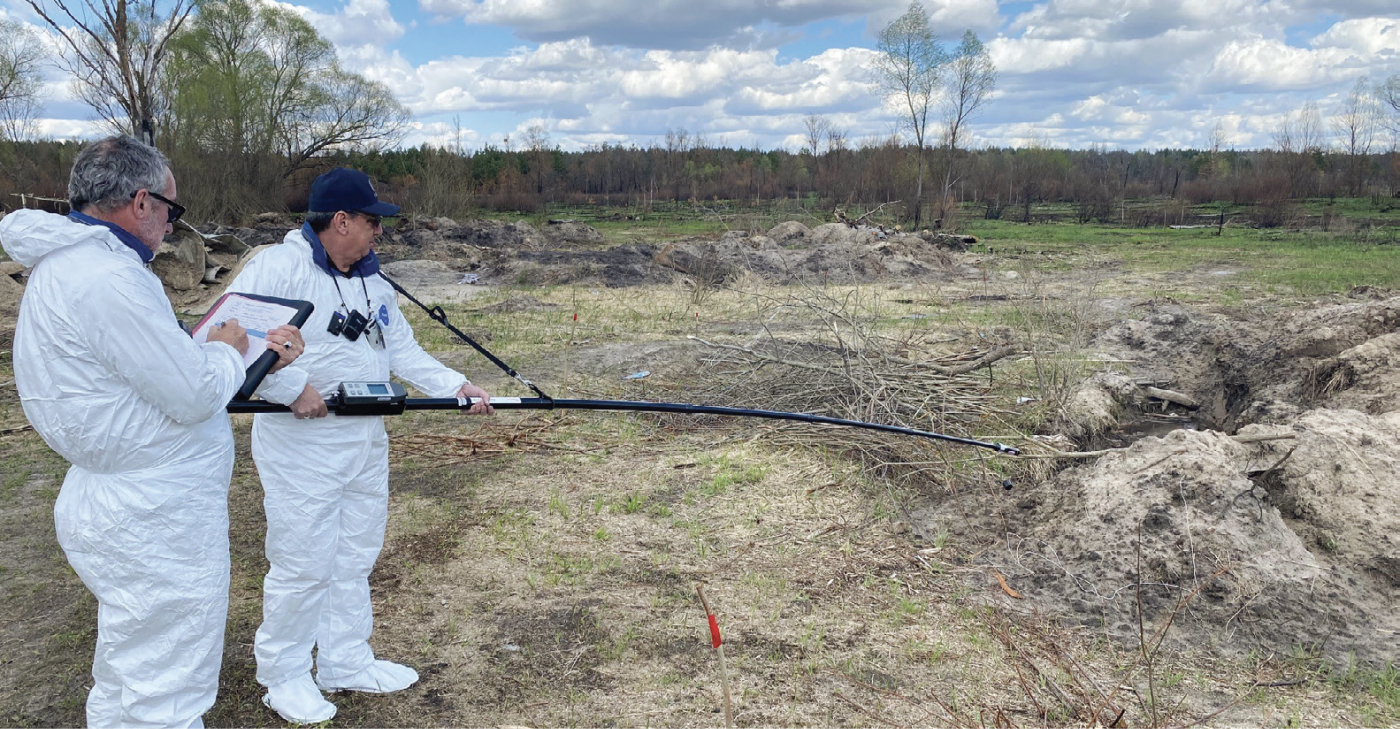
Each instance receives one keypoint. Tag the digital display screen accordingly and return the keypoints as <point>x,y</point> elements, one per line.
<point>377,389</point>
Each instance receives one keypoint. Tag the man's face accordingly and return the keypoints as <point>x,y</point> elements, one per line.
<point>363,229</point>
<point>153,227</point>
<point>350,238</point>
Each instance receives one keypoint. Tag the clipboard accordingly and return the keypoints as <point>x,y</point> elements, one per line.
<point>257,314</point>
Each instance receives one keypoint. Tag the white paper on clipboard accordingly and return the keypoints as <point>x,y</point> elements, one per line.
<point>258,317</point>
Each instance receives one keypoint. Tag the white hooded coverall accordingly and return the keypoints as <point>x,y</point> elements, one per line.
<point>326,480</point>
<point>111,382</point>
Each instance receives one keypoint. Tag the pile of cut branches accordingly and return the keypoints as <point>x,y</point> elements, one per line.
<point>914,381</point>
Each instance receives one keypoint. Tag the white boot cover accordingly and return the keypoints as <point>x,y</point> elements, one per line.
<point>382,677</point>
<point>299,701</point>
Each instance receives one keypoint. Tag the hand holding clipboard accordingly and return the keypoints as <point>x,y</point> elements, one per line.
<point>258,315</point>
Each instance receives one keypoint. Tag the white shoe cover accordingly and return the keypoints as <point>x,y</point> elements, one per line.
<point>299,701</point>
<point>381,677</point>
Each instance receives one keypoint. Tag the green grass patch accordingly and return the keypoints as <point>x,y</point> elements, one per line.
<point>1302,262</point>
<point>1381,684</point>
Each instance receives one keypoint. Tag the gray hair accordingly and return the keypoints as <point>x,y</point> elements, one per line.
<point>320,221</point>
<point>108,172</point>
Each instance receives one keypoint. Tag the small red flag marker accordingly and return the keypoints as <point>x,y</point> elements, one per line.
<point>719,648</point>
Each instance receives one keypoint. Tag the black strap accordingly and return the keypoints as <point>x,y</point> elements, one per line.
<point>440,316</point>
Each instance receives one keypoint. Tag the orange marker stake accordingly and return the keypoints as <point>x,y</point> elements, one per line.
<point>719,648</point>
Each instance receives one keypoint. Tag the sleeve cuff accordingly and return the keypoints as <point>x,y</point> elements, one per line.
<point>285,386</point>
<point>450,390</point>
<point>232,356</point>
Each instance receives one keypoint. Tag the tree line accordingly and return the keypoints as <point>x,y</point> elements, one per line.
<point>1004,183</point>
<point>1000,183</point>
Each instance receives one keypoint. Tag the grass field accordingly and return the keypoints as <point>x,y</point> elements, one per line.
<point>1303,263</point>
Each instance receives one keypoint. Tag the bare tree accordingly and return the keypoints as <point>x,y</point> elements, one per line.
<point>834,178</point>
<point>540,156</point>
<point>1217,139</point>
<point>817,127</point>
<point>1300,132</point>
<point>1355,128</point>
<point>969,79</point>
<point>908,70</point>
<point>1388,92</point>
<point>837,139</point>
<point>677,152</point>
<point>114,50</point>
<point>20,56</point>
<point>537,138</point>
<point>1299,140</point>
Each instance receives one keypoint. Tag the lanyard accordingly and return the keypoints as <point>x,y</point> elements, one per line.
<point>369,313</point>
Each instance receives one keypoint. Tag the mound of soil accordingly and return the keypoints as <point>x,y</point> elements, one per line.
<point>1191,524</point>
<point>264,233</point>
<point>1260,369</point>
<point>571,234</point>
<point>627,265</point>
<point>835,257</point>
<point>494,234</point>
<point>789,232</point>
<point>566,252</point>
<point>516,304</point>
<point>421,273</point>
<point>1276,529</point>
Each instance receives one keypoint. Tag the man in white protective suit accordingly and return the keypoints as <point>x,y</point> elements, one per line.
<point>326,479</point>
<point>111,382</point>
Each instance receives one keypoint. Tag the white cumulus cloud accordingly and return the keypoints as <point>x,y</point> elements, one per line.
<point>1262,64</point>
<point>1377,37</point>
<point>358,22</point>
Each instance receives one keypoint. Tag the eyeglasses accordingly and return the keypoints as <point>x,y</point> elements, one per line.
<point>373,220</point>
<point>174,210</point>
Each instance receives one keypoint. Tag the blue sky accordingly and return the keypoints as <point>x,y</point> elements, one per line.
<point>1134,74</point>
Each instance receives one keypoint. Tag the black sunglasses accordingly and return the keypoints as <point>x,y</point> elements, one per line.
<point>175,209</point>
<point>373,220</point>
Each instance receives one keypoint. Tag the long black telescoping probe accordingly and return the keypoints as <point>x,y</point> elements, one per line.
<point>545,402</point>
<point>636,406</point>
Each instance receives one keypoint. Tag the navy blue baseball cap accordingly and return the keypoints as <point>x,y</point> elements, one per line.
<point>350,190</point>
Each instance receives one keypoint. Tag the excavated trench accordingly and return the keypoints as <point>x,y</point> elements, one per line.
<point>1265,518</point>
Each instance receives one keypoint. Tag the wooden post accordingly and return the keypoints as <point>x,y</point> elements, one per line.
<point>719,648</point>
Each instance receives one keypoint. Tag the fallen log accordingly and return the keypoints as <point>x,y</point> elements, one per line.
<point>1171,396</point>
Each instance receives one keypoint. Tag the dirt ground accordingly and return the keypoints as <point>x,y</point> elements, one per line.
<point>1290,540</point>
<point>1203,528</point>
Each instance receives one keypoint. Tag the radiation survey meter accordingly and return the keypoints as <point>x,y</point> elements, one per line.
<point>370,398</point>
